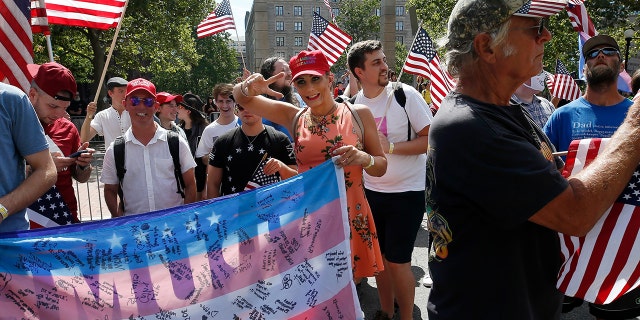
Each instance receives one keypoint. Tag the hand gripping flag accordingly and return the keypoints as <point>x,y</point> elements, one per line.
<point>605,264</point>
<point>258,178</point>
<point>328,38</point>
<point>423,61</point>
<point>220,19</point>
<point>561,85</point>
<point>16,43</point>
<point>96,14</point>
<point>278,252</point>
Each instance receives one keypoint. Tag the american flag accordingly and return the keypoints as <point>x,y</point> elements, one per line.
<point>39,21</point>
<point>16,42</point>
<point>260,179</point>
<point>333,18</point>
<point>541,8</point>
<point>561,85</point>
<point>580,19</point>
<point>49,210</point>
<point>604,264</point>
<point>328,38</point>
<point>423,61</point>
<point>220,19</point>
<point>96,14</point>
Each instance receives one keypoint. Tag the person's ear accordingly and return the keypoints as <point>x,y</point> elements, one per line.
<point>482,46</point>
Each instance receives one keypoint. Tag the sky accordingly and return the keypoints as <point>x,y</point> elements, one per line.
<point>239,7</point>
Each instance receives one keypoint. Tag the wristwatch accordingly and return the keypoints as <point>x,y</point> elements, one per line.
<point>4,212</point>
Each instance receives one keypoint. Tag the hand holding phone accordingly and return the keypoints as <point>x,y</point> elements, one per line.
<point>77,154</point>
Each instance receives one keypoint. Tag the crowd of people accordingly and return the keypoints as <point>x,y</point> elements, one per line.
<point>484,171</point>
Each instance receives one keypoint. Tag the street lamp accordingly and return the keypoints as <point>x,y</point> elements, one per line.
<point>628,35</point>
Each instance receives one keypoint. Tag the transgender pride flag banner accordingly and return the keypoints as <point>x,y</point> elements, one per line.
<point>277,252</point>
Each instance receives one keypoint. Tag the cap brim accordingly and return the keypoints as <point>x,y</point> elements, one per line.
<point>303,72</point>
<point>541,9</point>
<point>33,69</point>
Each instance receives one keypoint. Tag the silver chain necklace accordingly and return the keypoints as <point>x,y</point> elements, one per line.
<point>250,146</point>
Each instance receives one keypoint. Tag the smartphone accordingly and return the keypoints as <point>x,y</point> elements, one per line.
<point>77,154</point>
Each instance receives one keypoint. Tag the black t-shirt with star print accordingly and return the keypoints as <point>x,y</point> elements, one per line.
<point>240,157</point>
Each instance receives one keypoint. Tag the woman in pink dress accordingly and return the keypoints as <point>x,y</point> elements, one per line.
<point>325,129</point>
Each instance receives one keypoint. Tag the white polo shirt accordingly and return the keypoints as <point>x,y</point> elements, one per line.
<point>149,183</point>
<point>110,124</point>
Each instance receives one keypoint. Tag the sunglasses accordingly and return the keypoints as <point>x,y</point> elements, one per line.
<point>544,23</point>
<point>148,102</point>
<point>608,51</point>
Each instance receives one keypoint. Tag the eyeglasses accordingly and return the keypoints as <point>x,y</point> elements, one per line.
<point>608,51</point>
<point>544,23</point>
<point>148,102</point>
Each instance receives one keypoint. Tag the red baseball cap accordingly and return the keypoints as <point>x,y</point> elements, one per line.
<point>309,62</point>
<point>166,97</point>
<point>141,84</point>
<point>52,77</point>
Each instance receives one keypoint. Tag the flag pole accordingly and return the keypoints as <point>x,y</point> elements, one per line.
<point>49,47</point>
<point>244,64</point>
<point>113,44</point>
<point>408,53</point>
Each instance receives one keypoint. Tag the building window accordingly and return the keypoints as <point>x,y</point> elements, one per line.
<point>399,25</point>
<point>400,39</point>
<point>316,10</point>
<point>280,54</point>
<point>399,11</point>
<point>297,41</point>
<point>297,10</point>
<point>377,12</point>
<point>297,26</point>
<point>279,11</point>
<point>279,41</point>
<point>280,26</point>
<point>335,11</point>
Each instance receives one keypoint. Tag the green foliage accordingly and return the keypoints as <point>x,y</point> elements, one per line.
<point>157,41</point>
<point>401,55</point>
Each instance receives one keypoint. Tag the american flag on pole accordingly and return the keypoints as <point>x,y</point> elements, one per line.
<point>96,14</point>
<point>580,19</point>
<point>278,252</point>
<point>259,179</point>
<point>333,18</point>
<point>220,19</point>
<point>423,61</point>
<point>562,85</point>
<point>541,8</point>
<point>605,264</point>
<point>328,38</point>
<point>16,42</point>
<point>49,210</point>
<point>39,21</point>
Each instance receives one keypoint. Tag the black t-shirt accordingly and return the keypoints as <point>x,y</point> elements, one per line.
<point>487,177</point>
<point>240,160</point>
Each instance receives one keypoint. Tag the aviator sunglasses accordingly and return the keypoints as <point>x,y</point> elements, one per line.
<point>147,101</point>
<point>608,51</point>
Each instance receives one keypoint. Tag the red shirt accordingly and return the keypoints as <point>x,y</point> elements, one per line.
<point>65,135</point>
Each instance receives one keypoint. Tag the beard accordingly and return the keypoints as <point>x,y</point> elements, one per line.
<point>287,92</point>
<point>602,75</point>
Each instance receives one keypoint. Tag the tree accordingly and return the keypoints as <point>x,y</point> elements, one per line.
<point>157,41</point>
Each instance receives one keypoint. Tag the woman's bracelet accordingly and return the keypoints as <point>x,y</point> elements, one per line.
<point>243,89</point>
<point>372,161</point>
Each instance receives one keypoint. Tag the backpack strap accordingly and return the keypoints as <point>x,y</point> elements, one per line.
<point>118,155</point>
<point>173,139</point>
<point>401,98</point>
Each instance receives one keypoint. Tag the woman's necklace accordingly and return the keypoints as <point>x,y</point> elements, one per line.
<point>250,146</point>
<point>318,124</point>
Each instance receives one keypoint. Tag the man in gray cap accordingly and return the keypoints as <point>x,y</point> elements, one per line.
<point>111,122</point>
<point>497,211</point>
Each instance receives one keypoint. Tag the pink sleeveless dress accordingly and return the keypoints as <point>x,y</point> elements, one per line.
<point>315,138</point>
